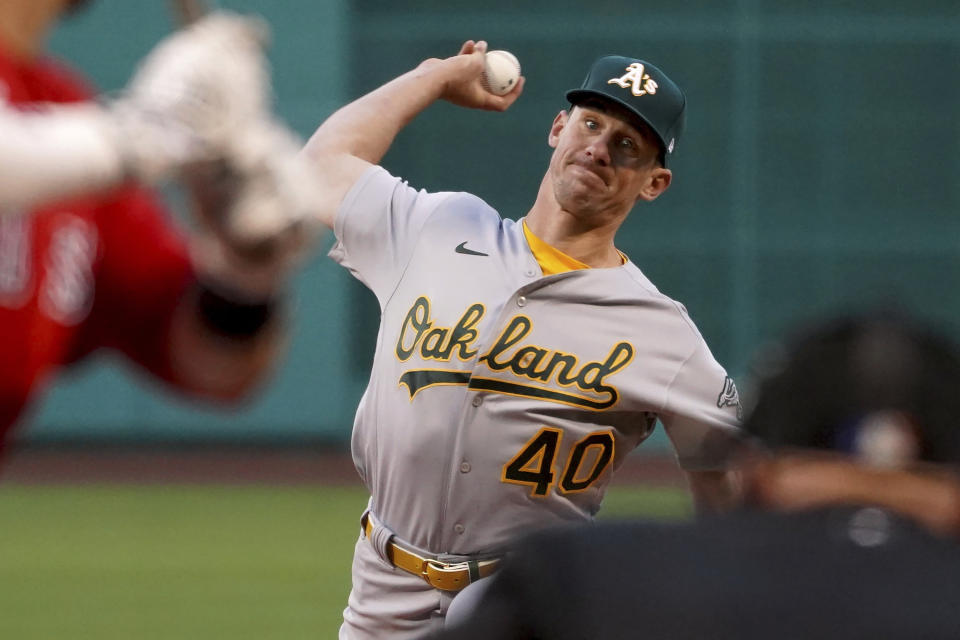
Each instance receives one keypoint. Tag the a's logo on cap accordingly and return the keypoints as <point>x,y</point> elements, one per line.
<point>639,83</point>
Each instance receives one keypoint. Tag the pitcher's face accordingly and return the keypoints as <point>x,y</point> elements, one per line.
<point>602,163</point>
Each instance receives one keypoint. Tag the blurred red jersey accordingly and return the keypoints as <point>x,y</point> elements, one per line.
<point>78,275</point>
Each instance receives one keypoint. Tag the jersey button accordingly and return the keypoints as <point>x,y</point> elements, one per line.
<point>531,273</point>
<point>459,528</point>
<point>464,467</point>
<point>521,301</point>
<point>477,401</point>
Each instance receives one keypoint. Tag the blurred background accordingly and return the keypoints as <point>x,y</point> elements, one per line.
<point>818,172</point>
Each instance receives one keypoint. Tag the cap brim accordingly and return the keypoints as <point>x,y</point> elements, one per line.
<point>576,96</point>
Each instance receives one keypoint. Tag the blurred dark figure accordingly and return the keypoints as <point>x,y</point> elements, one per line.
<point>850,528</point>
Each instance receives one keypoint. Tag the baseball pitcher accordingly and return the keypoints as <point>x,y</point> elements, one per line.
<point>518,363</point>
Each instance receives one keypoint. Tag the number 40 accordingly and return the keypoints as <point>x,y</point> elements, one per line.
<point>533,465</point>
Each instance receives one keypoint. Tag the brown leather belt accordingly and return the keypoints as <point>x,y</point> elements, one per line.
<point>447,576</point>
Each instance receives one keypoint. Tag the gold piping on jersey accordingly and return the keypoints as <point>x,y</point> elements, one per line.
<point>530,361</point>
<point>540,364</point>
<point>418,379</point>
<point>437,343</point>
<point>533,464</point>
<point>606,443</point>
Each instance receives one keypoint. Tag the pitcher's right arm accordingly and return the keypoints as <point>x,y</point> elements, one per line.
<point>360,134</point>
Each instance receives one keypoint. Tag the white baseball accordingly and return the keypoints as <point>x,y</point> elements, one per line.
<point>501,72</point>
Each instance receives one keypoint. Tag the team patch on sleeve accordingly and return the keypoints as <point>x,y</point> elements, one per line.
<point>729,397</point>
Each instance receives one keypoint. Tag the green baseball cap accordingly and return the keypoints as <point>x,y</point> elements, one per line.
<point>642,89</point>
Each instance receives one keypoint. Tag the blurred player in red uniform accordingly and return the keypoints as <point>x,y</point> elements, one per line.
<point>89,259</point>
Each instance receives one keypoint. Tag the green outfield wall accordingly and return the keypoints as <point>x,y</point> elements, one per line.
<point>819,171</point>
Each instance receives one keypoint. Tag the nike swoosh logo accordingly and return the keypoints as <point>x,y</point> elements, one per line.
<point>462,248</point>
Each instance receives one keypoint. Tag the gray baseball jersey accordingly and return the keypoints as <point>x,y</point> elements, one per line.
<point>500,399</point>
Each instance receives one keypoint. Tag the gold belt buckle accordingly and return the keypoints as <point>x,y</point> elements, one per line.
<point>447,577</point>
<point>439,575</point>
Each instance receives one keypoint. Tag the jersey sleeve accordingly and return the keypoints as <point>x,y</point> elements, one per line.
<point>142,272</point>
<point>378,226</point>
<point>702,413</point>
<point>56,152</point>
